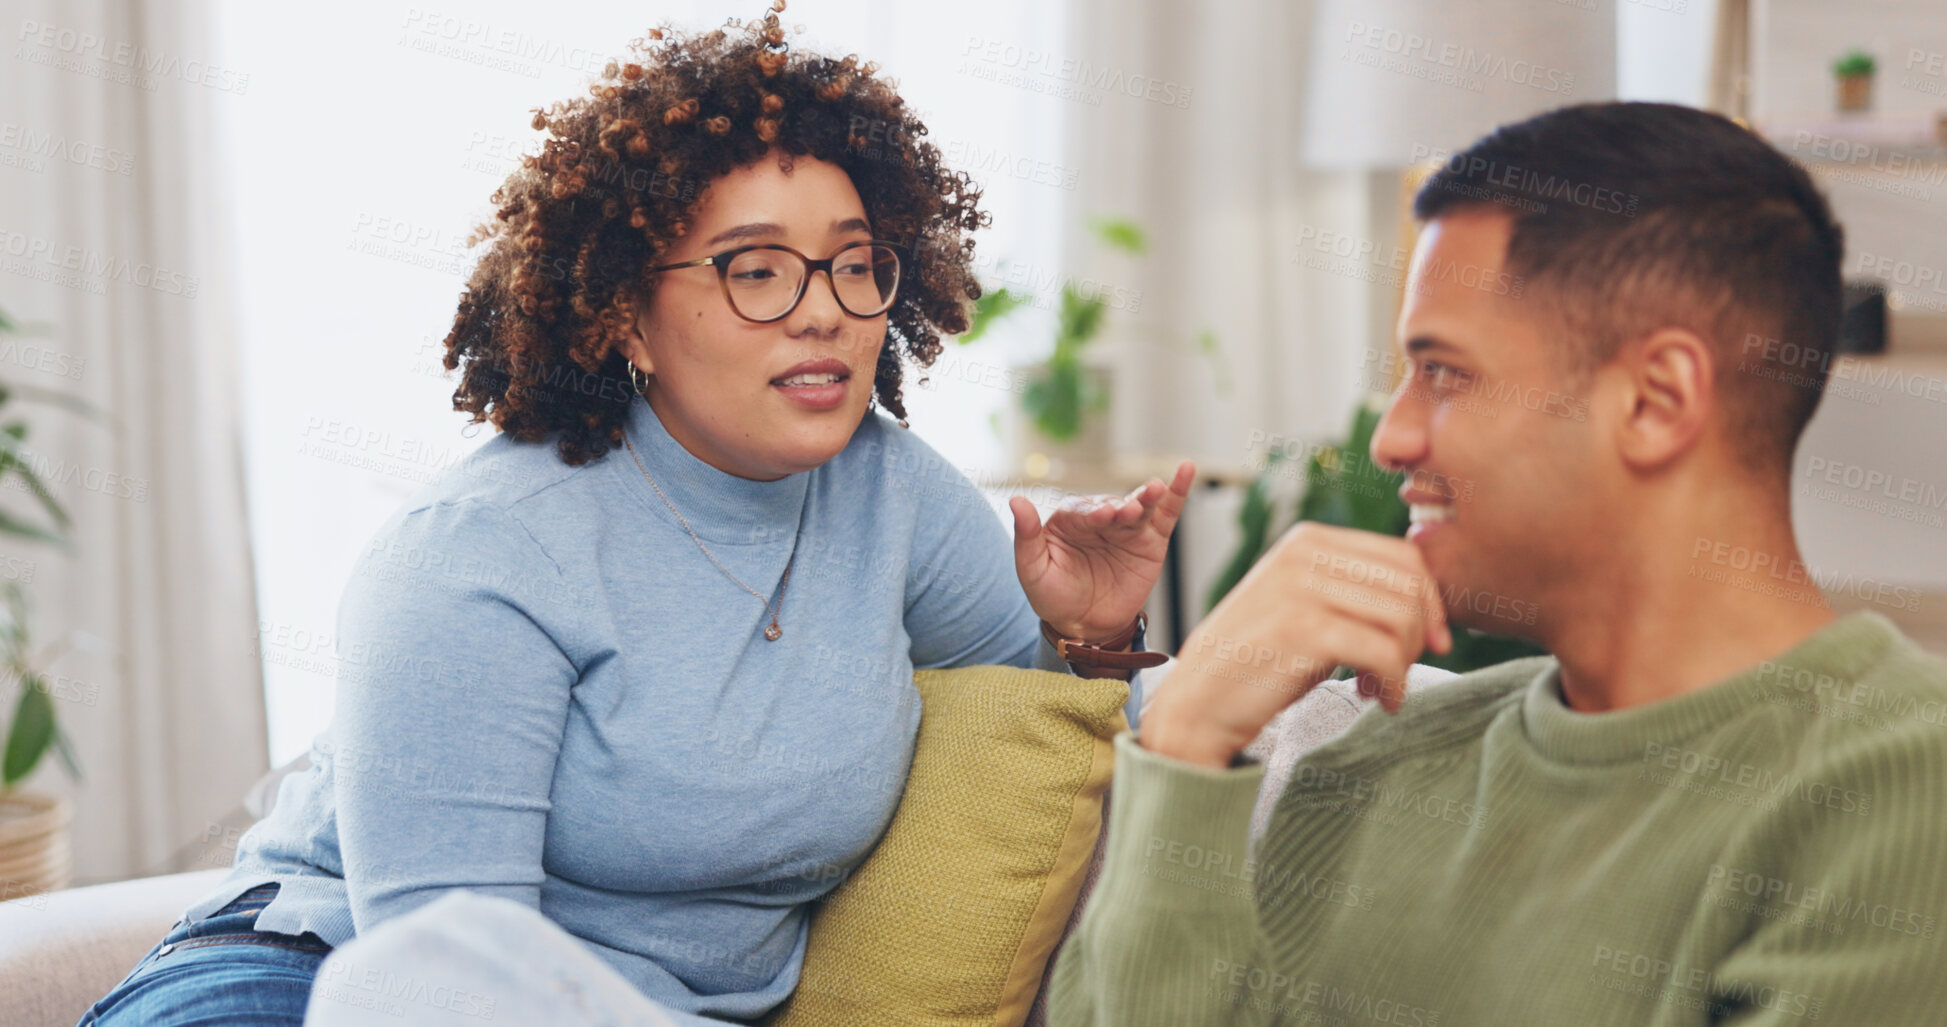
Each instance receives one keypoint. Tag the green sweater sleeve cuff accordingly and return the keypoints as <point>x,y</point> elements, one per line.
<point>1179,833</point>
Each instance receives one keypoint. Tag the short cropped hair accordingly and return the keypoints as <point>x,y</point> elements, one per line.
<point>1631,217</point>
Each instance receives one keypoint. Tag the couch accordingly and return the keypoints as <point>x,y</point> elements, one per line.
<point>61,951</point>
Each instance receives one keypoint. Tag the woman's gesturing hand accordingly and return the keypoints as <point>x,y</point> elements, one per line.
<point>1089,570</point>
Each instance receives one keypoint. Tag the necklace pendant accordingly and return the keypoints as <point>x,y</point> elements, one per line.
<point>773,632</point>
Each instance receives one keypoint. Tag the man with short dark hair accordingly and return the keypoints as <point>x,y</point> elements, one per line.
<point>1717,802</point>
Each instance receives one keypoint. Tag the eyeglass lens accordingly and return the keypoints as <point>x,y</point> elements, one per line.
<point>764,284</point>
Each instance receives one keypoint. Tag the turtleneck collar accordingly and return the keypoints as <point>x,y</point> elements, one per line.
<point>1846,649</point>
<point>719,506</point>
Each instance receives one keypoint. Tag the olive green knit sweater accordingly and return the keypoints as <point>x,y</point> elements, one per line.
<point>1771,849</point>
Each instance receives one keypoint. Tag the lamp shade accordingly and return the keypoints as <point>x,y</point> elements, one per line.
<point>1397,82</point>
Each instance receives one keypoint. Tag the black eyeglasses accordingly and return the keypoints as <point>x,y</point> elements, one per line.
<point>764,283</point>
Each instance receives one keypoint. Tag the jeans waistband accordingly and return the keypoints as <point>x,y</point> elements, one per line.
<point>254,899</point>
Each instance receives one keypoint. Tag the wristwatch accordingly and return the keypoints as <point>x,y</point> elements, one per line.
<point>1105,655</point>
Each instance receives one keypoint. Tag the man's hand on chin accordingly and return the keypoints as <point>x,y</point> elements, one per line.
<point>1322,597</point>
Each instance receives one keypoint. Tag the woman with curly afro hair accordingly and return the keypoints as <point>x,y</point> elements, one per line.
<point>637,673</point>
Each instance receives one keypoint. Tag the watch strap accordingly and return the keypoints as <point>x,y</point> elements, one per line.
<point>1105,654</point>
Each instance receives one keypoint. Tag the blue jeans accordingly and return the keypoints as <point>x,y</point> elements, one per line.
<point>218,970</point>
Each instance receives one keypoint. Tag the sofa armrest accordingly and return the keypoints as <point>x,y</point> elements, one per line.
<point>62,951</point>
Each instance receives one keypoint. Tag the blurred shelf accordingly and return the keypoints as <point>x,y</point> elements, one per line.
<point>1912,336</point>
<point>1880,142</point>
<point>1120,475</point>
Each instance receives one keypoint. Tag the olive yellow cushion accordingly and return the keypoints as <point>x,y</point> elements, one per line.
<point>954,915</point>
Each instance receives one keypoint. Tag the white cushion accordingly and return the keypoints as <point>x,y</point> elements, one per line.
<point>62,951</point>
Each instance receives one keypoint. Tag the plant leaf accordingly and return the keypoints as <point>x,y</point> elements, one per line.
<point>1855,62</point>
<point>1253,526</point>
<point>1120,233</point>
<point>1080,318</point>
<point>1207,345</point>
<point>11,525</point>
<point>32,732</point>
<point>1055,400</point>
<point>14,630</point>
<point>64,748</point>
<point>59,398</point>
<point>10,460</point>
<point>990,307</point>
<point>1372,493</point>
<point>1096,395</point>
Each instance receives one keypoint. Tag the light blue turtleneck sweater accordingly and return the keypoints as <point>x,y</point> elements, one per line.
<point>550,694</point>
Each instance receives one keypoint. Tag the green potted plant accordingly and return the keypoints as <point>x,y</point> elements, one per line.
<point>1063,400</point>
<point>1854,73</point>
<point>34,852</point>
<point>1343,487</point>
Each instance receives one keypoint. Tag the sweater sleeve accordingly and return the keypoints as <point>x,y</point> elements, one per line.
<point>1847,926</point>
<point>450,712</point>
<point>964,603</point>
<point>1170,934</point>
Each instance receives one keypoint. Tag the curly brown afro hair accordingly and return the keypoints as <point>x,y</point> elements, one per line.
<point>541,326</point>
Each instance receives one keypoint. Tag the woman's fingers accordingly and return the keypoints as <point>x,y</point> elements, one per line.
<point>1132,508</point>
<point>1029,545</point>
<point>1169,502</point>
<point>1164,500</point>
<point>1153,500</point>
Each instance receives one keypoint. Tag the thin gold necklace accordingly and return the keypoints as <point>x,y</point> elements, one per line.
<point>771,633</point>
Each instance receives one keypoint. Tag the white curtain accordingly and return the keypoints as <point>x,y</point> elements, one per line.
<point>1215,179</point>
<point>1232,218</point>
<point>113,210</point>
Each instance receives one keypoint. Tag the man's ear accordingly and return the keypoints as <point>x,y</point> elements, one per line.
<point>1670,396</point>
